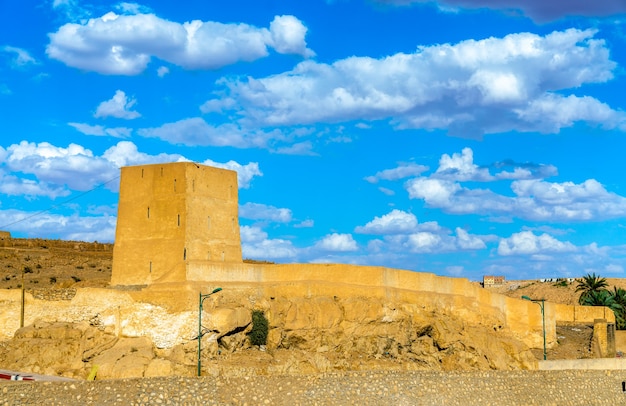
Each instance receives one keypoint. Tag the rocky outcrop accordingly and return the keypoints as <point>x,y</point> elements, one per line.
<point>319,334</point>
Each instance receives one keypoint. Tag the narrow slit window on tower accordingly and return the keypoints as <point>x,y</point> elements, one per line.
<point>150,266</point>
<point>142,172</point>
<point>148,211</point>
<point>184,254</point>
<point>174,185</point>
<point>161,171</point>
<point>193,185</point>
<point>179,220</point>
<point>233,225</point>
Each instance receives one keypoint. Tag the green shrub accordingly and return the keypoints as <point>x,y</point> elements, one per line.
<point>260,327</point>
<point>76,279</point>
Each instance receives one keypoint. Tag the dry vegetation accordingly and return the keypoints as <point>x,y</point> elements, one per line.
<point>53,264</point>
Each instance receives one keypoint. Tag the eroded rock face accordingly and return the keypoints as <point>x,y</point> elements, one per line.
<point>307,335</point>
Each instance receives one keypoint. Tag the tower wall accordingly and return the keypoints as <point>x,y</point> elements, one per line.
<point>169,214</point>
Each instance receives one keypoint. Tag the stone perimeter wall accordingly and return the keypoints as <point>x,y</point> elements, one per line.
<point>458,295</point>
<point>166,312</point>
<point>363,388</point>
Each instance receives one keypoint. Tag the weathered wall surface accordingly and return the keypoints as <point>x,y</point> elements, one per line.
<point>457,295</point>
<point>169,214</point>
<point>583,314</point>
<point>170,308</point>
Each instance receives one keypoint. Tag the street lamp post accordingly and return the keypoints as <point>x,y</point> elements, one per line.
<point>541,303</point>
<point>200,333</point>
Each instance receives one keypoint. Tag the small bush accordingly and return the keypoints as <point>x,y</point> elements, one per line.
<point>76,278</point>
<point>79,267</point>
<point>53,279</point>
<point>28,269</point>
<point>260,327</point>
<point>38,266</point>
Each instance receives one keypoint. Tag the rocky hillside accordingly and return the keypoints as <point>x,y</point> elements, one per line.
<point>323,334</point>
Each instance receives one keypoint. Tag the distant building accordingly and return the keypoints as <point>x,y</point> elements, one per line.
<point>493,280</point>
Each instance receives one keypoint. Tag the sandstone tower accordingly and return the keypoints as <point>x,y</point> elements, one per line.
<point>171,214</point>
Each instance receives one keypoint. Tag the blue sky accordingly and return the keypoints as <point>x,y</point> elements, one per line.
<point>458,137</point>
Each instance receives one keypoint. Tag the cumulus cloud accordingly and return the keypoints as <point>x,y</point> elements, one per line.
<point>257,211</point>
<point>394,222</point>
<point>59,166</point>
<point>255,244</point>
<point>43,169</point>
<point>475,87</point>
<point>73,228</point>
<point>538,10</point>
<point>337,242</point>
<point>125,44</point>
<point>245,173</point>
<point>288,34</point>
<point>533,197</point>
<point>118,106</point>
<point>527,243</point>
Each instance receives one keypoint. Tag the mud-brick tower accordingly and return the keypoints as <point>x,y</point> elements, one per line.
<point>170,214</point>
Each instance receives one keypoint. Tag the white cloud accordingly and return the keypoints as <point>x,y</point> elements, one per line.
<point>256,245</point>
<point>533,199</point>
<point>245,173</point>
<point>435,192</point>
<point>14,186</point>
<point>73,228</point>
<point>515,83</point>
<point>305,224</point>
<point>527,243</point>
<point>162,71</point>
<point>539,10</point>
<point>125,44</point>
<point>196,131</point>
<point>21,57</point>
<point>288,36</point>
<point>395,222</point>
<point>99,131</point>
<point>337,242</point>
<point>425,242</point>
<point>466,241</point>
<point>400,172</point>
<point>118,106</point>
<point>257,211</point>
<point>74,166</point>
<point>43,169</point>
<point>461,167</point>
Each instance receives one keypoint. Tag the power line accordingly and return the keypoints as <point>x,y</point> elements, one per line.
<point>58,205</point>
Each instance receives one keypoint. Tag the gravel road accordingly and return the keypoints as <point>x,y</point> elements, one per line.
<point>358,388</point>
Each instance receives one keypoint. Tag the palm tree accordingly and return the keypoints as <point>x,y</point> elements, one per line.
<point>610,300</point>
<point>619,296</point>
<point>588,284</point>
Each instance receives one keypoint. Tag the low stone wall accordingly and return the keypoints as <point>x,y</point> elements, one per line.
<point>584,364</point>
<point>363,388</point>
<point>29,243</point>
<point>53,294</point>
